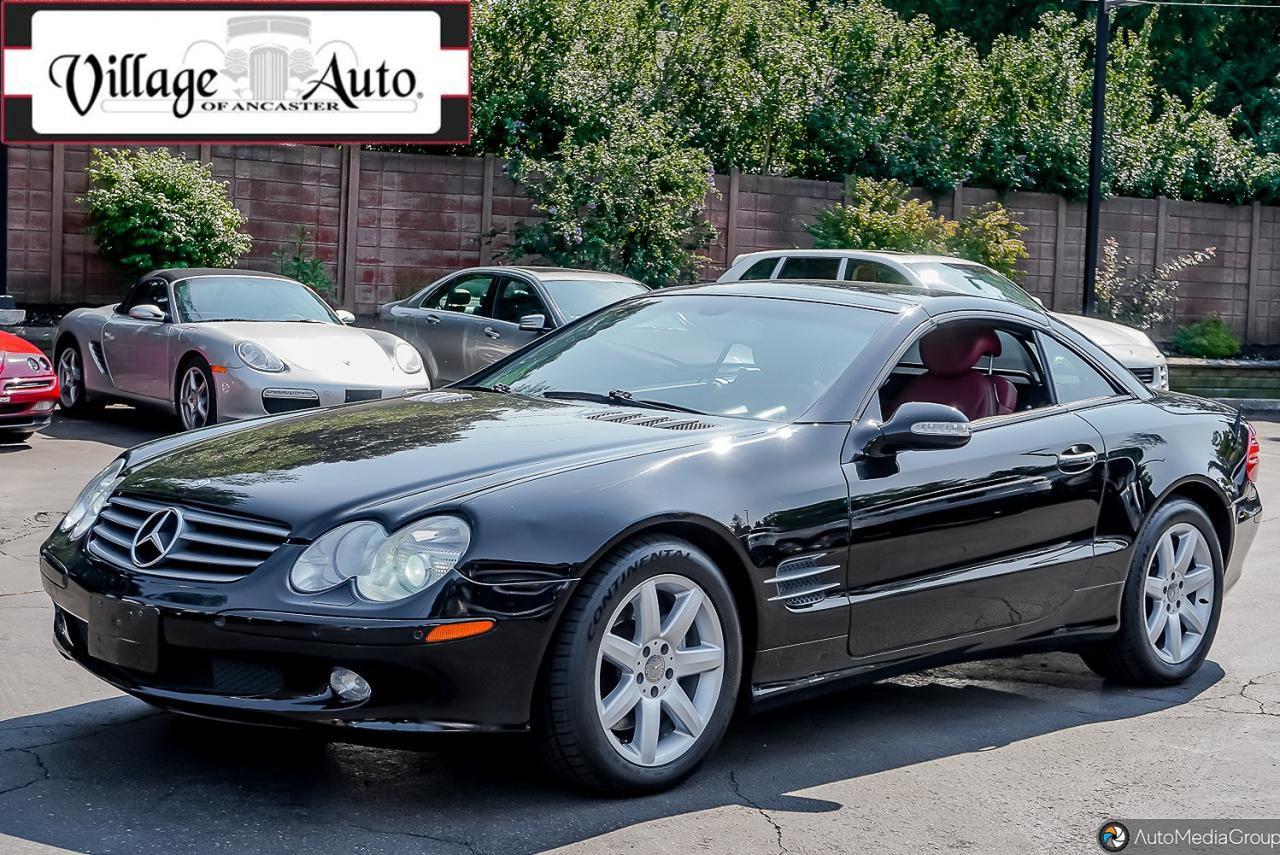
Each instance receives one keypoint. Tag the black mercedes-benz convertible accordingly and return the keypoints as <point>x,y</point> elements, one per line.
<point>695,501</point>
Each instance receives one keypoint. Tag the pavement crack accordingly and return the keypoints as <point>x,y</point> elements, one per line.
<point>777,828</point>
<point>417,835</point>
<point>43,776</point>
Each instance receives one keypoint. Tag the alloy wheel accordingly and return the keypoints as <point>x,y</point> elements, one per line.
<point>1179,593</point>
<point>659,670</point>
<point>193,399</point>
<point>70,376</point>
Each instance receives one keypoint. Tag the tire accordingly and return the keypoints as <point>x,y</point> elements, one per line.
<point>579,677</point>
<point>73,396</point>
<point>1149,650</point>
<point>15,436</point>
<point>195,398</point>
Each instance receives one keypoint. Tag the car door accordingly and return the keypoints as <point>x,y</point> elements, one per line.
<point>949,543</point>
<point>137,351</point>
<point>517,298</point>
<point>447,317</point>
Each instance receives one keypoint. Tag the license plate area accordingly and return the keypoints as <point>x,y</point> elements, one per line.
<point>124,633</point>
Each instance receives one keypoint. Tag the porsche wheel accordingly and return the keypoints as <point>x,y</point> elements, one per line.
<point>73,397</point>
<point>197,399</point>
<point>1171,602</point>
<point>643,674</point>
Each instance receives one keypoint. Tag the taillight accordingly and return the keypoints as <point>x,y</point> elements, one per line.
<point>1254,458</point>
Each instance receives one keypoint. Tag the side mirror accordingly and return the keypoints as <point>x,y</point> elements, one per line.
<point>345,316</point>
<point>921,426</point>
<point>146,312</point>
<point>533,323</point>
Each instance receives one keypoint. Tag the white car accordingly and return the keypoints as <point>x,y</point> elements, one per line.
<point>1131,348</point>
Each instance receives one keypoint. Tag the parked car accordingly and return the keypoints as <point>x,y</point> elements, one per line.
<point>472,318</point>
<point>1132,348</point>
<point>694,497</point>
<point>28,389</point>
<point>212,345</point>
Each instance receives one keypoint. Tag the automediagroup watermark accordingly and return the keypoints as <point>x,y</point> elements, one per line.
<point>1191,836</point>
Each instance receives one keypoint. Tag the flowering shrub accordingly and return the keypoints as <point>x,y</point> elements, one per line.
<point>150,209</point>
<point>631,203</point>
<point>1147,299</point>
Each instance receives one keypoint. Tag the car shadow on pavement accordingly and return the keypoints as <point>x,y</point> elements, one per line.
<point>122,427</point>
<point>115,775</point>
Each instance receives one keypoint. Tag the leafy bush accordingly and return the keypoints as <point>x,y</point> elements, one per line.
<point>1209,338</point>
<point>630,203</point>
<point>150,209</point>
<point>298,261</point>
<point>1147,299</point>
<point>882,215</point>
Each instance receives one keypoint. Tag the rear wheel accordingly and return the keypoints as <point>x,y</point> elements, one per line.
<point>1171,602</point>
<point>73,397</point>
<point>643,673</point>
<point>197,399</point>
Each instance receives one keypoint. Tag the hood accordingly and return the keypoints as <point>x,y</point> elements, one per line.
<point>13,345</point>
<point>1106,334</point>
<point>20,358</point>
<point>340,352</point>
<point>311,470</point>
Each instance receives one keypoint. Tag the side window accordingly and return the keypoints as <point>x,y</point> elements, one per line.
<point>982,369</point>
<point>809,267</point>
<point>762,269</point>
<point>517,299</point>
<point>153,291</point>
<point>872,271</point>
<point>466,295</point>
<point>1074,379</point>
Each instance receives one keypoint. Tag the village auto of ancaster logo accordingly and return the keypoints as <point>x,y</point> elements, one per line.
<point>102,72</point>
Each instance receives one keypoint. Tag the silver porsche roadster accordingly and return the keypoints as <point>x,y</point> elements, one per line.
<point>212,345</point>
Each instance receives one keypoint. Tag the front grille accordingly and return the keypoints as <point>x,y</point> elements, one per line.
<point>210,547</point>
<point>28,384</point>
<point>274,406</point>
<point>268,73</point>
<point>649,419</point>
<point>1146,375</point>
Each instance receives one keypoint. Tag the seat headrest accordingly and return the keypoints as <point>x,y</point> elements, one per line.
<point>953,350</point>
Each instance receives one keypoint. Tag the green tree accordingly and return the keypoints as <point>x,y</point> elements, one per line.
<point>150,209</point>
<point>631,202</point>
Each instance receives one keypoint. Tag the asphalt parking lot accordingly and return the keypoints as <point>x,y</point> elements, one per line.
<point>1028,754</point>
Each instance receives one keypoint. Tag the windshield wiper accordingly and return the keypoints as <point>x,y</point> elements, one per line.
<point>230,321</point>
<point>620,397</point>
<point>500,388</point>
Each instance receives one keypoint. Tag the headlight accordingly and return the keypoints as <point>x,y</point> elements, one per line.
<point>408,359</point>
<point>385,567</point>
<point>258,357</point>
<point>89,503</point>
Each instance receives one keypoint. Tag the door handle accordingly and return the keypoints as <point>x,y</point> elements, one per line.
<point>432,319</point>
<point>492,333</point>
<point>1078,458</point>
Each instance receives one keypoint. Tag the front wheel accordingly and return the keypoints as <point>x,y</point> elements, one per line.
<point>73,396</point>
<point>197,399</point>
<point>1171,602</point>
<point>643,673</point>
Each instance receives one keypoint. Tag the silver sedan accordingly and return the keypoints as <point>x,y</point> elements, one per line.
<point>474,317</point>
<point>212,345</point>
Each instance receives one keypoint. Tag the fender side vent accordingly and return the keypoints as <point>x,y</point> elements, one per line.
<point>642,418</point>
<point>98,357</point>
<point>803,581</point>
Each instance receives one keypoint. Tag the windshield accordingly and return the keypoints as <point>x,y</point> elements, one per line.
<point>760,358</point>
<point>248,298</point>
<point>971,279</point>
<point>578,297</point>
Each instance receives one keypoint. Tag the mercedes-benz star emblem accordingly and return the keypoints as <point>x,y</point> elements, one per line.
<point>157,535</point>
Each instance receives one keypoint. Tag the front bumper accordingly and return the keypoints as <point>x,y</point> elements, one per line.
<point>24,408</point>
<point>269,666</point>
<point>245,394</point>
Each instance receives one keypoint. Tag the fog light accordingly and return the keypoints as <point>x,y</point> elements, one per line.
<point>44,406</point>
<point>349,685</point>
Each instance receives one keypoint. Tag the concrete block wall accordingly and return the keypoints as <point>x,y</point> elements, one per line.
<point>385,224</point>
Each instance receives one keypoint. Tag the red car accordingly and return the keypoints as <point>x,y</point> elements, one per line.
<point>28,389</point>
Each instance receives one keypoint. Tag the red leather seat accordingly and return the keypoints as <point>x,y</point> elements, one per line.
<point>949,355</point>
